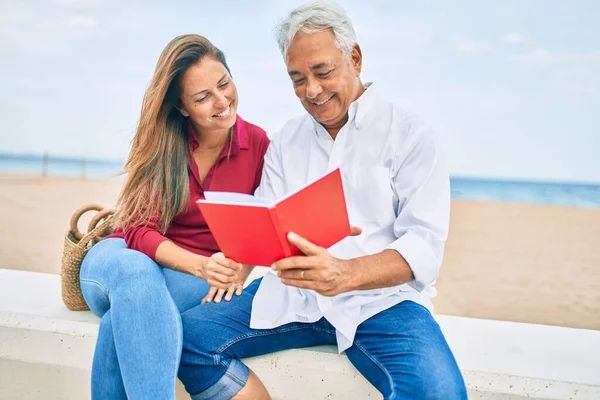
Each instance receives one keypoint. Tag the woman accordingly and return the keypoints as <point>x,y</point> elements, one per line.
<point>162,260</point>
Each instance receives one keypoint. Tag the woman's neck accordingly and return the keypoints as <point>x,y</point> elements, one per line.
<point>211,140</point>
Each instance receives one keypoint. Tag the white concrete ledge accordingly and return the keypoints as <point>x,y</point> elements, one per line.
<point>46,352</point>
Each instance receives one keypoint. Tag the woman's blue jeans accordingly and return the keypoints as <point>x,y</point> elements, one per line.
<point>140,337</point>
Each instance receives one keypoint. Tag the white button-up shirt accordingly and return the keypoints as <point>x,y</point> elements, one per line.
<point>397,190</point>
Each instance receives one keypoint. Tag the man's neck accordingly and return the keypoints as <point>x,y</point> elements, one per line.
<point>335,129</point>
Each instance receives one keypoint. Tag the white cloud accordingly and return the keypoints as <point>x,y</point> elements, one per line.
<point>515,38</point>
<point>466,45</point>
<point>576,73</point>
<point>78,3</point>
<point>82,21</point>
<point>406,32</point>
<point>48,30</point>
<point>377,27</point>
<point>543,58</point>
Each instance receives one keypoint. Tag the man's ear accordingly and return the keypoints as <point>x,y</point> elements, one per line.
<point>356,59</point>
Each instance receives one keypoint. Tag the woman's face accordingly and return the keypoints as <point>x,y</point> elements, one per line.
<point>209,96</point>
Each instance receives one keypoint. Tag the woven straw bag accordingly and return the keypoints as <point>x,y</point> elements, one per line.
<point>76,247</point>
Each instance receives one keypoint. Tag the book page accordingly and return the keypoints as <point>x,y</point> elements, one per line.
<point>241,199</point>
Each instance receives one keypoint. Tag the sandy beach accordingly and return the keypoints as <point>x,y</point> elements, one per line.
<point>515,262</point>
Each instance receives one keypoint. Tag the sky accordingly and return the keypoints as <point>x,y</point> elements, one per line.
<point>512,87</point>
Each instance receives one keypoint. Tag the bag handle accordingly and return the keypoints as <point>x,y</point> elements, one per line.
<point>96,219</point>
<point>100,230</point>
<point>77,214</point>
<point>93,226</point>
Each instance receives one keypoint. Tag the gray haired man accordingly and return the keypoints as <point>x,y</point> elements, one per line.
<point>369,294</point>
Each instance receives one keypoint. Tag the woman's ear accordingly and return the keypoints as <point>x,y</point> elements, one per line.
<point>182,111</point>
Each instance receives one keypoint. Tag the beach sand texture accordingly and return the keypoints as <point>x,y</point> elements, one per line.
<point>505,261</point>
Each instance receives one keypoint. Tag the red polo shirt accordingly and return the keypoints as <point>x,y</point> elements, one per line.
<point>240,173</point>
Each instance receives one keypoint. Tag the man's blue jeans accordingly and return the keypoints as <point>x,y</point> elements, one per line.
<point>401,350</point>
<point>139,341</point>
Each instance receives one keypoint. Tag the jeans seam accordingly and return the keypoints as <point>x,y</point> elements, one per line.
<point>86,280</point>
<point>331,332</point>
<point>175,312</point>
<point>259,334</point>
<point>377,363</point>
<point>235,378</point>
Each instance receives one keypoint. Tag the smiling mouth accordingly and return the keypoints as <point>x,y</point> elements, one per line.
<point>224,113</point>
<point>322,102</point>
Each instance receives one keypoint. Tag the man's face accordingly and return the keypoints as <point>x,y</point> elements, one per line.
<point>325,81</point>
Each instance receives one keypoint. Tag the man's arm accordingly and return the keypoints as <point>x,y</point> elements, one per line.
<point>272,185</point>
<point>320,271</point>
<point>422,185</point>
<point>392,270</point>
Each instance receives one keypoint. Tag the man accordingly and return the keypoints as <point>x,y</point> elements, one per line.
<point>369,294</point>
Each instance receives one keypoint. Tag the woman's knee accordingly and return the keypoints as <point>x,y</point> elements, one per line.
<point>133,264</point>
<point>101,259</point>
<point>118,266</point>
<point>110,269</point>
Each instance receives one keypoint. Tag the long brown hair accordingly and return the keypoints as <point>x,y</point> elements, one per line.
<point>157,179</point>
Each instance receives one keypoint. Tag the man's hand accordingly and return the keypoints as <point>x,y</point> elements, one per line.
<point>355,230</point>
<point>216,294</point>
<point>317,269</point>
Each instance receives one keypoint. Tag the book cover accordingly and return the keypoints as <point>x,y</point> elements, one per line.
<point>252,231</point>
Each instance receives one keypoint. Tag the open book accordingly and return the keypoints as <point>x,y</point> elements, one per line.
<point>253,231</point>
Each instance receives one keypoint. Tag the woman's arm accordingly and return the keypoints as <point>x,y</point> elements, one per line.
<point>169,255</point>
<point>218,271</point>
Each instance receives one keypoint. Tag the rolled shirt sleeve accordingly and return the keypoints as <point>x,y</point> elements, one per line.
<point>422,184</point>
<point>262,150</point>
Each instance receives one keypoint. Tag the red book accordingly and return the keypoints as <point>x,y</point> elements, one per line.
<point>253,231</point>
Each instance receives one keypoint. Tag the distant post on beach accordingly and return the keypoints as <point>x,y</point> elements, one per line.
<point>45,164</point>
<point>83,168</point>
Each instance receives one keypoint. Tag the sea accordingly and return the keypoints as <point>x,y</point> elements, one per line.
<point>583,195</point>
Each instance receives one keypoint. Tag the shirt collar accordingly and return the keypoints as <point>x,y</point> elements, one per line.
<point>363,104</point>
<point>359,108</point>
<point>240,133</point>
<point>239,137</point>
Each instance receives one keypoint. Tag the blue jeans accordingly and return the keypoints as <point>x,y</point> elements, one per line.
<point>401,350</point>
<point>139,341</point>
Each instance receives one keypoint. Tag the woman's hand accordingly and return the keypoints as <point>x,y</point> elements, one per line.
<point>217,270</point>
<point>216,294</point>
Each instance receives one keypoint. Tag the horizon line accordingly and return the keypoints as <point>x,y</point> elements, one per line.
<point>468,177</point>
